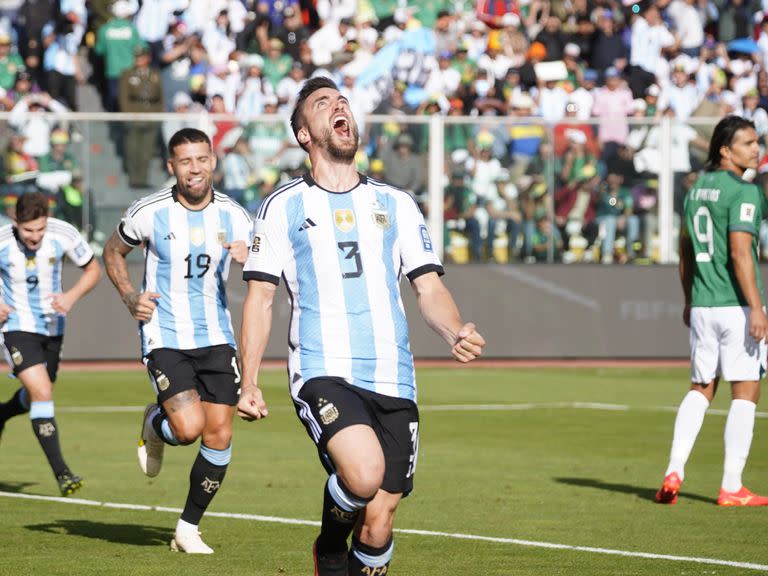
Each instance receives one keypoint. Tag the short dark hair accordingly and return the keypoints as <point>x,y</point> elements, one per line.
<point>188,136</point>
<point>31,206</point>
<point>310,86</point>
<point>724,133</point>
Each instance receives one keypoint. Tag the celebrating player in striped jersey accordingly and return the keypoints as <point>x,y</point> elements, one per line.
<point>33,310</point>
<point>342,241</point>
<point>190,233</point>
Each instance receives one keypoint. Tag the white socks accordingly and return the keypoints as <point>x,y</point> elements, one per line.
<point>690,416</point>
<point>738,439</point>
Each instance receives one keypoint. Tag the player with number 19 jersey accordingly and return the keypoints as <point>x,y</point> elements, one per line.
<point>30,278</point>
<point>187,264</point>
<point>342,255</point>
<point>719,203</point>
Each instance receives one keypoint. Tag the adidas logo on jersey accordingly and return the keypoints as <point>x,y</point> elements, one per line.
<point>307,224</point>
<point>170,236</point>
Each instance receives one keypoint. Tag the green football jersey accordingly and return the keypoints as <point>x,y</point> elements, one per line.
<point>717,204</point>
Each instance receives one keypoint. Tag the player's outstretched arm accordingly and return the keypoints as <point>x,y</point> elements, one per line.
<point>254,335</point>
<point>442,315</point>
<point>141,305</point>
<point>90,276</point>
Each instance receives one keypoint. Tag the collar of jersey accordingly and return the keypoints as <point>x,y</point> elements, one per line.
<point>311,182</point>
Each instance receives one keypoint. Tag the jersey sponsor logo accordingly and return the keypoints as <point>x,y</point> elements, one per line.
<point>16,356</point>
<point>426,241</point>
<point>344,219</point>
<point>328,412</point>
<point>256,244</point>
<point>747,212</point>
<point>196,236</point>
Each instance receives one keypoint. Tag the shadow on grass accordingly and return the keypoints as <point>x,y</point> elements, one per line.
<point>117,533</point>
<point>16,487</point>
<point>639,491</point>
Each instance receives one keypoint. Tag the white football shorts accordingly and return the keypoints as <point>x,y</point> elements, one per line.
<point>721,345</point>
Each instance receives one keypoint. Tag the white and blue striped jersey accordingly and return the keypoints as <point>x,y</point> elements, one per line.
<point>186,263</point>
<point>30,278</point>
<point>342,256</point>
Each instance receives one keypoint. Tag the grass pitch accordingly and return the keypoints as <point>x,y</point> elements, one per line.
<point>511,462</point>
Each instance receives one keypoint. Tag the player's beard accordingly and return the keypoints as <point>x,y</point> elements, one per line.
<point>344,152</point>
<point>195,197</point>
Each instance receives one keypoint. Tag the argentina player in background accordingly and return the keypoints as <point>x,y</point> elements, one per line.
<point>190,233</point>
<point>33,310</point>
<point>342,241</point>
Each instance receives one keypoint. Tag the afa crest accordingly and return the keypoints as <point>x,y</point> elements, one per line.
<point>344,219</point>
<point>197,236</point>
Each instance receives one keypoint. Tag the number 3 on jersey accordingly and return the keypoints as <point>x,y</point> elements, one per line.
<point>704,233</point>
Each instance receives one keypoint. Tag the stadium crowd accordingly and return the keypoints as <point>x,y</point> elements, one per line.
<point>569,88</point>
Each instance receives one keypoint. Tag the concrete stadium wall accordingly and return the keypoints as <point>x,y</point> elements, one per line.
<point>536,311</point>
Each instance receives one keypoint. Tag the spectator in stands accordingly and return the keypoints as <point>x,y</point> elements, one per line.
<point>608,47</point>
<point>649,38</point>
<point>238,173</point>
<point>524,137</point>
<point>583,95</point>
<point>494,60</point>
<point>681,94</point>
<point>460,207</point>
<point>153,21</point>
<point>32,17</point>
<point>176,60</point>
<point>336,10</point>
<point>330,40</point>
<point>140,91</point>
<point>576,155</point>
<point>254,38</point>
<point>219,40</point>
<point>292,33</point>
<point>446,32</point>
<point>10,61</point>
<point>613,103</point>
<point>61,62</point>
<point>74,202</point>
<point>116,42</point>
<point>751,111</point>
<point>575,208</point>
<point>688,19</point>
<point>276,64</point>
<point>536,53</point>
<point>268,139</point>
<point>734,18</point>
<point>444,79</point>
<point>405,169</point>
<point>19,168</point>
<point>615,213</point>
<point>544,238</point>
<point>288,88</point>
<point>28,117</point>
<point>551,101</point>
<point>553,38</point>
<point>254,89</point>
<point>60,157</point>
<point>24,85</point>
<point>224,81</point>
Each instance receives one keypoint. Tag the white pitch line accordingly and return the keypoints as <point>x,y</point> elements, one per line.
<point>521,407</point>
<point>429,533</point>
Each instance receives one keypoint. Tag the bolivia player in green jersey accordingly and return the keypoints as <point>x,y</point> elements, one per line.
<point>724,307</point>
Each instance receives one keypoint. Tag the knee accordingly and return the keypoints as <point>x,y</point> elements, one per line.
<point>186,432</point>
<point>218,439</point>
<point>364,478</point>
